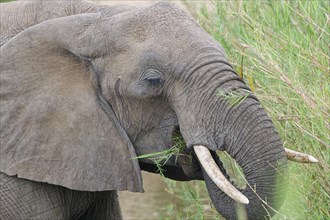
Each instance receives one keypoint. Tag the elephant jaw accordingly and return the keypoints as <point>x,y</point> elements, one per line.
<point>213,171</point>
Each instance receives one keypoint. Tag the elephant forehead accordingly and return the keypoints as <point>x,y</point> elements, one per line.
<point>159,20</point>
<point>166,13</point>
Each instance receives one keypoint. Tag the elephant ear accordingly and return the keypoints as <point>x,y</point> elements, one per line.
<point>55,125</point>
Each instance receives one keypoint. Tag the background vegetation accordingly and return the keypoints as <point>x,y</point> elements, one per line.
<point>3,1</point>
<point>281,49</point>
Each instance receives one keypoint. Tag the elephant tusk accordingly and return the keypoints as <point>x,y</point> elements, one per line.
<point>213,171</point>
<point>299,157</point>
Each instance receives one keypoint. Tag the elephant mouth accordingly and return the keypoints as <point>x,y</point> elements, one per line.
<point>191,164</point>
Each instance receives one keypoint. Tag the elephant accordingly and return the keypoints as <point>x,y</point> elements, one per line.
<point>86,89</point>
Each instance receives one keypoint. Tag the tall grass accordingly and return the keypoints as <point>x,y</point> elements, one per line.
<point>3,1</point>
<point>281,49</point>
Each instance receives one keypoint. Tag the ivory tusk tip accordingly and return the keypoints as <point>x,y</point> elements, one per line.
<point>299,157</point>
<point>312,159</point>
<point>245,200</point>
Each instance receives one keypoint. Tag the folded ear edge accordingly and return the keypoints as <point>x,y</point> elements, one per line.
<point>53,128</point>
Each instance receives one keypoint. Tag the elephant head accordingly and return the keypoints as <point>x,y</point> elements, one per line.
<point>83,95</point>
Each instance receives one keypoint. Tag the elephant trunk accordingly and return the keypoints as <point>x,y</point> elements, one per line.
<point>216,109</point>
<point>252,141</point>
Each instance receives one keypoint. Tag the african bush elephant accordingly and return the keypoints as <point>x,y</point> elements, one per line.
<point>85,89</point>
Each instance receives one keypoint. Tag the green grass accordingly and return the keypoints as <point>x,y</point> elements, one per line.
<point>160,158</point>
<point>281,49</point>
<point>3,1</point>
<point>233,99</point>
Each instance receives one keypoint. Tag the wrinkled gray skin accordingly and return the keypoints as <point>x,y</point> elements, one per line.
<point>82,95</point>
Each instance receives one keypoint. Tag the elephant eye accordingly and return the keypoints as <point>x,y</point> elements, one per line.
<point>154,78</point>
<point>155,81</point>
<point>151,84</point>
